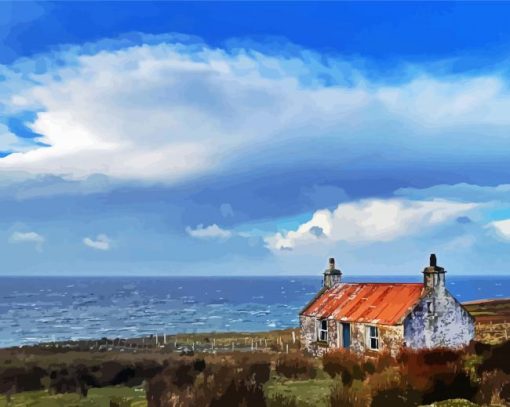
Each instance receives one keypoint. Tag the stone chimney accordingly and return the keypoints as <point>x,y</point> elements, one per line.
<point>332,275</point>
<point>433,275</point>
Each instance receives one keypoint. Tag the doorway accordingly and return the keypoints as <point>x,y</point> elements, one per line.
<point>346,335</point>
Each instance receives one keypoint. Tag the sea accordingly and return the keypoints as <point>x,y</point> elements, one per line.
<point>43,309</point>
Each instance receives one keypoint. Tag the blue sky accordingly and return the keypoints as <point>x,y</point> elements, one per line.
<point>253,138</point>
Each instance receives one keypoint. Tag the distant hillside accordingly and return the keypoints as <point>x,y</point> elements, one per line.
<point>489,310</point>
<point>492,319</point>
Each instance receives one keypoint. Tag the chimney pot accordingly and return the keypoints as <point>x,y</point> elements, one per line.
<point>433,260</point>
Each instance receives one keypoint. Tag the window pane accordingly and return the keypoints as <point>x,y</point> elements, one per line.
<point>374,343</point>
<point>324,324</point>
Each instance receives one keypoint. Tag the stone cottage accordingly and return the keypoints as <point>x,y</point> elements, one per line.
<point>374,317</point>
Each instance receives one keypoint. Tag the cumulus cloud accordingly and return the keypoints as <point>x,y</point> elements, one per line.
<point>101,242</point>
<point>369,221</point>
<point>209,232</point>
<point>169,111</point>
<point>28,237</point>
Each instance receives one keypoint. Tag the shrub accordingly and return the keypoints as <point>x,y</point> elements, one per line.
<point>220,381</point>
<point>260,372</point>
<point>390,389</point>
<point>494,388</point>
<point>498,358</point>
<point>342,396</point>
<point>368,367</point>
<point>387,379</point>
<point>423,367</point>
<point>383,361</point>
<point>295,366</point>
<point>21,379</point>
<point>437,373</point>
<point>480,348</point>
<point>456,385</point>
<point>396,397</point>
<point>344,363</point>
<point>241,393</point>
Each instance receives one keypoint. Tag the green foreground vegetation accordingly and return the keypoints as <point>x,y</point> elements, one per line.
<point>98,397</point>
<point>306,393</point>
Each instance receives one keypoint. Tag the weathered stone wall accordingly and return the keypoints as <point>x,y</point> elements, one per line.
<point>449,324</point>
<point>309,336</point>
<point>390,337</point>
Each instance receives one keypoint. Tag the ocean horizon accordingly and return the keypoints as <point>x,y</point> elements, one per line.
<point>56,308</point>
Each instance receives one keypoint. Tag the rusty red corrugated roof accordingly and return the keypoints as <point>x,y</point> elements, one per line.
<point>378,303</point>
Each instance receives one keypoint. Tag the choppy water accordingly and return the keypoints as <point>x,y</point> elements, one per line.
<point>35,309</point>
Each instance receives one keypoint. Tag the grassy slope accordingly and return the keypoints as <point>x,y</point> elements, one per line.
<point>489,310</point>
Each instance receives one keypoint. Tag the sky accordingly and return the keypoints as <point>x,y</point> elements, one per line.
<point>188,139</point>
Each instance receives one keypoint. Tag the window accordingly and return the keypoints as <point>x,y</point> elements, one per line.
<point>323,330</point>
<point>373,337</point>
<point>430,307</point>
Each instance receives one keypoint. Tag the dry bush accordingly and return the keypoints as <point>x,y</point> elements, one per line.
<point>17,379</point>
<point>344,363</point>
<point>396,397</point>
<point>437,373</point>
<point>384,360</point>
<point>343,396</point>
<point>295,366</point>
<point>421,366</point>
<point>231,380</point>
<point>388,378</point>
<point>389,388</point>
<point>494,388</point>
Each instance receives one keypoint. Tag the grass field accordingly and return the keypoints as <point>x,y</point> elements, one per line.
<point>306,393</point>
<point>100,397</point>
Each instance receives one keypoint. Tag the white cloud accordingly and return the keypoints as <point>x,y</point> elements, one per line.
<point>209,232</point>
<point>369,221</point>
<point>102,242</point>
<point>28,237</point>
<point>170,111</point>
<point>501,227</point>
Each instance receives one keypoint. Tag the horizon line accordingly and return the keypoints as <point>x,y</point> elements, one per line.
<point>319,276</point>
